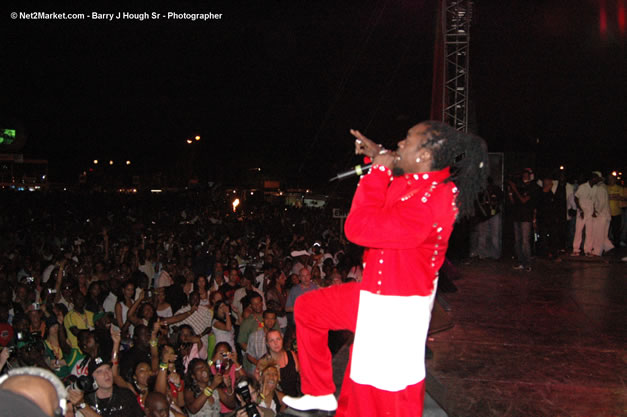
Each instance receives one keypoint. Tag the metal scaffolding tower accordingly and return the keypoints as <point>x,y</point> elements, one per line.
<point>456,18</point>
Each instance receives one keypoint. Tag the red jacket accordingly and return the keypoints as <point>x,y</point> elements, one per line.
<point>406,223</point>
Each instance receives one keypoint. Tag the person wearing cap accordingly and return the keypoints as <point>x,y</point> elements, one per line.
<point>584,199</point>
<point>109,400</point>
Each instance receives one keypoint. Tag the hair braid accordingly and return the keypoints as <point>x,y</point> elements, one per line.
<point>467,157</point>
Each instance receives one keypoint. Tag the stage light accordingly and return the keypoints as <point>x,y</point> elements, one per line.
<point>614,173</point>
<point>128,162</point>
<point>189,141</point>
<point>95,162</point>
<point>197,138</point>
<point>111,162</point>
<point>561,167</point>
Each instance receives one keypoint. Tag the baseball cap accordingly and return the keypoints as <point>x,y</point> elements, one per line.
<point>6,334</point>
<point>95,364</point>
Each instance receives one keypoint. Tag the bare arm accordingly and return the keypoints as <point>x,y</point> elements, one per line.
<point>131,316</point>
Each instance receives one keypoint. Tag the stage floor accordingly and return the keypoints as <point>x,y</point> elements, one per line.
<point>550,342</point>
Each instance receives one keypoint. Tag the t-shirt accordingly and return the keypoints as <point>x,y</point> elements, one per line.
<point>122,403</point>
<point>297,291</point>
<point>523,212</point>
<point>82,321</point>
<point>615,194</point>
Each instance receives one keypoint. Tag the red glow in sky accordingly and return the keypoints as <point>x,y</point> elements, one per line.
<point>620,12</point>
<point>602,19</point>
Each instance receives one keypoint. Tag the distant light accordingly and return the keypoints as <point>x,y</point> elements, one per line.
<point>189,141</point>
<point>95,162</point>
<point>620,173</point>
<point>128,162</point>
<point>259,169</point>
<point>134,190</point>
<point>235,204</point>
<point>561,167</point>
<point>234,191</point>
<point>614,173</point>
<point>252,193</point>
<point>156,191</point>
<point>197,138</point>
<point>111,162</point>
<point>43,177</point>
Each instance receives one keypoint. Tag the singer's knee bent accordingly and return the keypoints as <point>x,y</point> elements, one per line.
<point>333,308</point>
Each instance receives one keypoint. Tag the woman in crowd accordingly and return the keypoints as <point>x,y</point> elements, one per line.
<point>188,285</point>
<point>189,344</point>
<point>143,312</point>
<point>269,381</point>
<point>202,395</point>
<point>276,290</point>
<point>224,362</point>
<point>122,307</point>
<point>93,302</point>
<point>140,381</point>
<point>200,285</point>
<point>164,310</point>
<point>56,346</point>
<point>286,361</point>
<point>222,325</point>
<point>37,326</point>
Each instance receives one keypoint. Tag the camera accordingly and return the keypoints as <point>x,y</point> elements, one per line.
<point>83,383</point>
<point>249,406</point>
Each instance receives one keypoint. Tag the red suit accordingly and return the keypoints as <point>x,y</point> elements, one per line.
<point>405,222</point>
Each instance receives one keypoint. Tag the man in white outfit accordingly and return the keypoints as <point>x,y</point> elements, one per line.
<point>584,199</point>
<point>600,222</point>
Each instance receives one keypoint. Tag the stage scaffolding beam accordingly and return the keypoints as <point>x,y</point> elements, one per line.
<point>456,16</point>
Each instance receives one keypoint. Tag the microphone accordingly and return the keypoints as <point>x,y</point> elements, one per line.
<point>357,170</point>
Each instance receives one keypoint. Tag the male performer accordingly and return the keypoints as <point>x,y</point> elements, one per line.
<point>403,211</point>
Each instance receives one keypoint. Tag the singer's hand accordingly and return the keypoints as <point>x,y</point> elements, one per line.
<point>364,146</point>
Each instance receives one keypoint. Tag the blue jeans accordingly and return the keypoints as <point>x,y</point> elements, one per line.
<point>522,242</point>
<point>488,244</point>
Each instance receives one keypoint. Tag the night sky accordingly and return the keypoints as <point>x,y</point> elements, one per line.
<point>277,84</point>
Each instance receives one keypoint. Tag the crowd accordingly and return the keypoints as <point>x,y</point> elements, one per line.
<point>161,304</point>
<point>552,215</point>
<point>177,305</point>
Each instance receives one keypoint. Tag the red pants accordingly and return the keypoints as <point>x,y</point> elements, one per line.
<point>335,308</point>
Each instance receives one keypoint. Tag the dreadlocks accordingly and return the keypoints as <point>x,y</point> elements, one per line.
<point>467,157</point>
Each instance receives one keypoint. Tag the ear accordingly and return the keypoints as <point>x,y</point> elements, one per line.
<point>424,154</point>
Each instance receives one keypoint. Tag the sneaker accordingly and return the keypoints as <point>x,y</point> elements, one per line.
<point>310,402</point>
<point>519,267</point>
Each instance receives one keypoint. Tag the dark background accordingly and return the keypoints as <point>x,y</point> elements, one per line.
<point>277,84</point>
